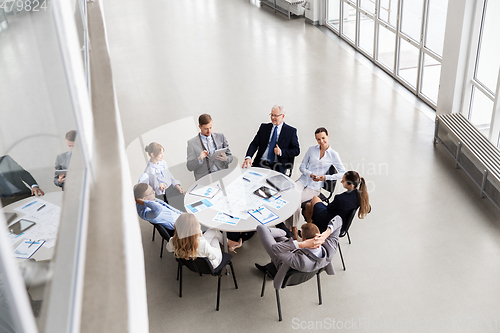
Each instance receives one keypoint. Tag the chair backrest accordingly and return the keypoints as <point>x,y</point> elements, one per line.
<point>199,265</point>
<point>329,185</point>
<point>289,167</point>
<point>163,231</point>
<point>347,223</point>
<point>294,277</point>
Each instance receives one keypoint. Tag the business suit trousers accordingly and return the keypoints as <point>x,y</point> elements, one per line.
<point>268,237</point>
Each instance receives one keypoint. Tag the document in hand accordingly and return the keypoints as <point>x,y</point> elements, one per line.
<point>263,214</point>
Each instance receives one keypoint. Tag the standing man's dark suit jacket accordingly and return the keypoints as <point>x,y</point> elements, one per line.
<point>15,174</point>
<point>287,141</point>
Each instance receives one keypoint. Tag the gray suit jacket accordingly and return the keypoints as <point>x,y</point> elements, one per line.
<point>62,163</point>
<point>303,259</point>
<point>194,149</point>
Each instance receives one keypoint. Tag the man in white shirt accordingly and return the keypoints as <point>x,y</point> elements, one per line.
<point>201,148</point>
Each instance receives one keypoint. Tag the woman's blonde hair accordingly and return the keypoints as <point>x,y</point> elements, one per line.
<point>185,239</point>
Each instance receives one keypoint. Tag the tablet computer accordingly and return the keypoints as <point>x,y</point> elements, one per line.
<point>60,172</point>
<point>21,226</point>
<point>265,192</point>
<point>218,152</point>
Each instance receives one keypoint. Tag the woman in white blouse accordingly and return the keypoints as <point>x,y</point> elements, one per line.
<point>160,179</point>
<point>189,242</point>
<point>315,164</point>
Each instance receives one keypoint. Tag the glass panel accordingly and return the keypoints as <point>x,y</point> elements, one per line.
<point>334,13</point>
<point>481,111</point>
<point>368,5</point>
<point>436,22</point>
<point>366,34</point>
<point>411,22</point>
<point>408,62</point>
<point>36,114</point>
<point>388,11</point>
<point>386,47</point>
<point>489,54</point>
<point>430,78</point>
<point>349,22</point>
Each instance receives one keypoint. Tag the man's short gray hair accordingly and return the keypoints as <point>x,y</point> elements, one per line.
<point>281,108</point>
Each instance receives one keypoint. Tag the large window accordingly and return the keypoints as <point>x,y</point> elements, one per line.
<point>404,37</point>
<point>481,105</point>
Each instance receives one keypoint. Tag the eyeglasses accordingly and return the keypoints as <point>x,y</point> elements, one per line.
<point>276,115</point>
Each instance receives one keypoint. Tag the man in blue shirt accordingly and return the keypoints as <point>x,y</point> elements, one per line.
<point>152,210</point>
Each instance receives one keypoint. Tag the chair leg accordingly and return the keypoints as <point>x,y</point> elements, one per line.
<point>162,243</point>
<point>341,257</point>
<point>180,280</point>
<point>279,305</point>
<point>234,276</point>
<point>178,270</point>
<point>263,285</point>
<point>319,288</point>
<point>349,238</point>
<point>218,292</point>
<point>154,231</point>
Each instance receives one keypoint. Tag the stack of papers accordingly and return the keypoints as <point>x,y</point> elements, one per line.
<point>27,248</point>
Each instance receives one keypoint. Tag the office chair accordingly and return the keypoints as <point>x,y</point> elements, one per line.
<point>292,278</point>
<point>345,231</point>
<point>202,265</point>
<point>289,168</point>
<point>165,199</point>
<point>165,235</point>
<point>329,185</point>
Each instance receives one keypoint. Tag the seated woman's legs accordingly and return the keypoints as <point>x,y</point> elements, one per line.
<point>310,208</point>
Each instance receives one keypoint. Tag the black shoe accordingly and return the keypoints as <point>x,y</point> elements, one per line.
<point>261,268</point>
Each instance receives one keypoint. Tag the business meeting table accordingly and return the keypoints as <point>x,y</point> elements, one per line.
<point>235,207</point>
<point>46,219</point>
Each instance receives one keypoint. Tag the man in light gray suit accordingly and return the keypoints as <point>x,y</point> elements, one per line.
<point>201,148</point>
<point>314,252</point>
<point>62,160</point>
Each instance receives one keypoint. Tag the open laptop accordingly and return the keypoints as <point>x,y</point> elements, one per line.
<point>280,182</point>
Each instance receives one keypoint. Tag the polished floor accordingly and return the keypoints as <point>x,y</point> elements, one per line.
<point>427,259</point>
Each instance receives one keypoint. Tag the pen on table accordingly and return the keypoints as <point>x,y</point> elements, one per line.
<point>41,207</point>
<point>31,244</point>
<point>279,196</point>
<point>228,215</point>
<point>258,211</point>
<point>248,180</point>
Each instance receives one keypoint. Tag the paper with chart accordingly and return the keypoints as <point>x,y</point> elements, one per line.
<point>263,214</point>
<point>276,202</point>
<point>205,191</point>
<point>253,176</point>
<point>27,248</point>
<point>199,205</point>
<point>46,215</point>
<point>226,218</point>
<point>239,198</point>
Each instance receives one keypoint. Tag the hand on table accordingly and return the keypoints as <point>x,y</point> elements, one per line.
<point>36,191</point>
<point>247,163</point>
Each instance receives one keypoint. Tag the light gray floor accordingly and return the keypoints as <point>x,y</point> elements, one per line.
<point>427,259</point>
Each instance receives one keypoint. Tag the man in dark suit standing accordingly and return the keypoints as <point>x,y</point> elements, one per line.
<point>13,181</point>
<point>276,144</point>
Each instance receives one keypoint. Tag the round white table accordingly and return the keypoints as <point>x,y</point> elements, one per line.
<point>224,178</point>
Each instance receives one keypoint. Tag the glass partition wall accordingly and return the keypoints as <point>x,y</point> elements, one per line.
<point>403,37</point>
<point>42,151</point>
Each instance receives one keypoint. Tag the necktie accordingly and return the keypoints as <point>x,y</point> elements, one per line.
<point>272,144</point>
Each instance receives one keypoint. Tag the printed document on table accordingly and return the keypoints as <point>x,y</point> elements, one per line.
<point>199,205</point>
<point>225,218</point>
<point>263,214</point>
<point>205,191</point>
<point>239,198</point>
<point>253,176</point>
<point>275,202</point>
<point>27,248</point>
<point>47,216</point>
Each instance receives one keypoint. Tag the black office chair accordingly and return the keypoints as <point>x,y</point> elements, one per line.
<point>292,278</point>
<point>329,185</point>
<point>165,199</point>
<point>202,265</point>
<point>345,231</point>
<point>165,236</point>
<point>289,168</point>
